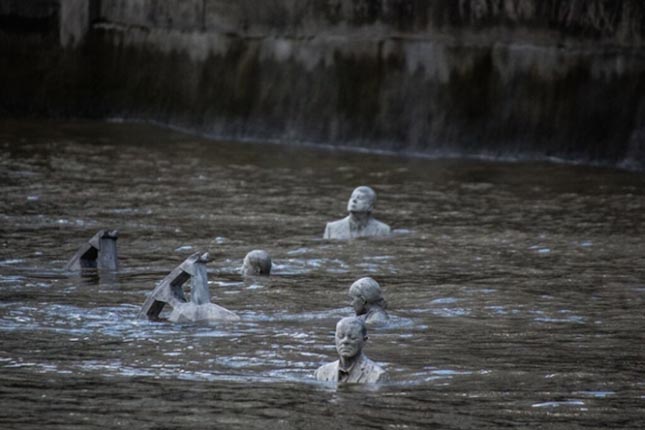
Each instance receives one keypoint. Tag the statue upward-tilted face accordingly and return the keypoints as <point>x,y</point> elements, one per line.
<point>350,337</point>
<point>362,200</point>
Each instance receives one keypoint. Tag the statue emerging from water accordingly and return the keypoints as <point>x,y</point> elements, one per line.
<point>359,222</point>
<point>352,366</point>
<point>257,262</point>
<point>99,252</point>
<point>170,291</point>
<point>368,301</point>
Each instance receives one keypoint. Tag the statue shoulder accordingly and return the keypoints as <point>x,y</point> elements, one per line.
<point>337,229</point>
<point>377,317</point>
<point>383,226</point>
<point>373,372</point>
<point>338,223</point>
<point>379,228</point>
<point>327,372</point>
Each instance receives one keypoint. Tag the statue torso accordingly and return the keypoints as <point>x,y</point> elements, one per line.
<point>342,229</point>
<point>363,371</point>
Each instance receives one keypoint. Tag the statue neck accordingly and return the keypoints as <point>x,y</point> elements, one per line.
<point>373,308</point>
<point>359,220</point>
<point>347,363</point>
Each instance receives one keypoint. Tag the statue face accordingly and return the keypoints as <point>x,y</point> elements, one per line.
<point>357,302</point>
<point>349,339</point>
<point>361,200</point>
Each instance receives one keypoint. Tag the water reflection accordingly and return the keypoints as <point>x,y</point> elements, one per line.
<point>515,290</point>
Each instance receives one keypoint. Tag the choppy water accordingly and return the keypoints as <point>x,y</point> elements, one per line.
<point>517,290</point>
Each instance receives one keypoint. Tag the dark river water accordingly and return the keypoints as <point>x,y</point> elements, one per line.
<point>516,289</point>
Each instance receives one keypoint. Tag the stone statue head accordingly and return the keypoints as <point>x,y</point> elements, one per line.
<point>365,293</point>
<point>362,200</point>
<point>256,262</point>
<point>351,335</point>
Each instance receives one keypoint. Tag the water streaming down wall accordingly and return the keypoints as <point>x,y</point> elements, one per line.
<point>516,78</point>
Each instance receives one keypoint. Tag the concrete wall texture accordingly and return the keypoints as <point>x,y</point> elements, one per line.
<point>526,78</point>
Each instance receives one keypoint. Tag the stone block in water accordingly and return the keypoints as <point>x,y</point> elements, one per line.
<point>170,292</point>
<point>99,252</point>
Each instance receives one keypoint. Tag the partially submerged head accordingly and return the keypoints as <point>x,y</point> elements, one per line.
<point>362,200</point>
<point>366,293</point>
<point>256,262</point>
<point>351,336</point>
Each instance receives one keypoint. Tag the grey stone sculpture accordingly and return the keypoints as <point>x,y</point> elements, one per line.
<point>256,262</point>
<point>352,366</point>
<point>368,301</point>
<point>99,252</point>
<point>170,292</point>
<point>359,222</point>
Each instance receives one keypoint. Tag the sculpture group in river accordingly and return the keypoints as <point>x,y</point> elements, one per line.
<point>351,333</point>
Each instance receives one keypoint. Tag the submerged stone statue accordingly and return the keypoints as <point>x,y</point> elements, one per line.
<point>99,252</point>
<point>257,262</point>
<point>170,292</point>
<point>368,301</point>
<point>352,366</point>
<point>359,222</point>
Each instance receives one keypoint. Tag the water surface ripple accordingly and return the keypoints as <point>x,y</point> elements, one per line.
<point>516,290</point>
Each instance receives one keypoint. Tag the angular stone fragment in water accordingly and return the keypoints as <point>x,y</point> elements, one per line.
<point>99,252</point>
<point>170,292</point>
<point>190,312</point>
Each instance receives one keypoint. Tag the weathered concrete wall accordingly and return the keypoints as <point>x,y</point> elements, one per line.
<point>562,78</point>
<point>35,9</point>
<point>620,22</point>
<point>37,16</point>
<point>74,18</point>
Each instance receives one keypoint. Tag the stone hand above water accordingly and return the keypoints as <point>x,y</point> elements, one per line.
<point>368,302</point>
<point>352,366</point>
<point>359,222</point>
<point>170,291</point>
<point>256,262</point>
<point>98,252</point>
